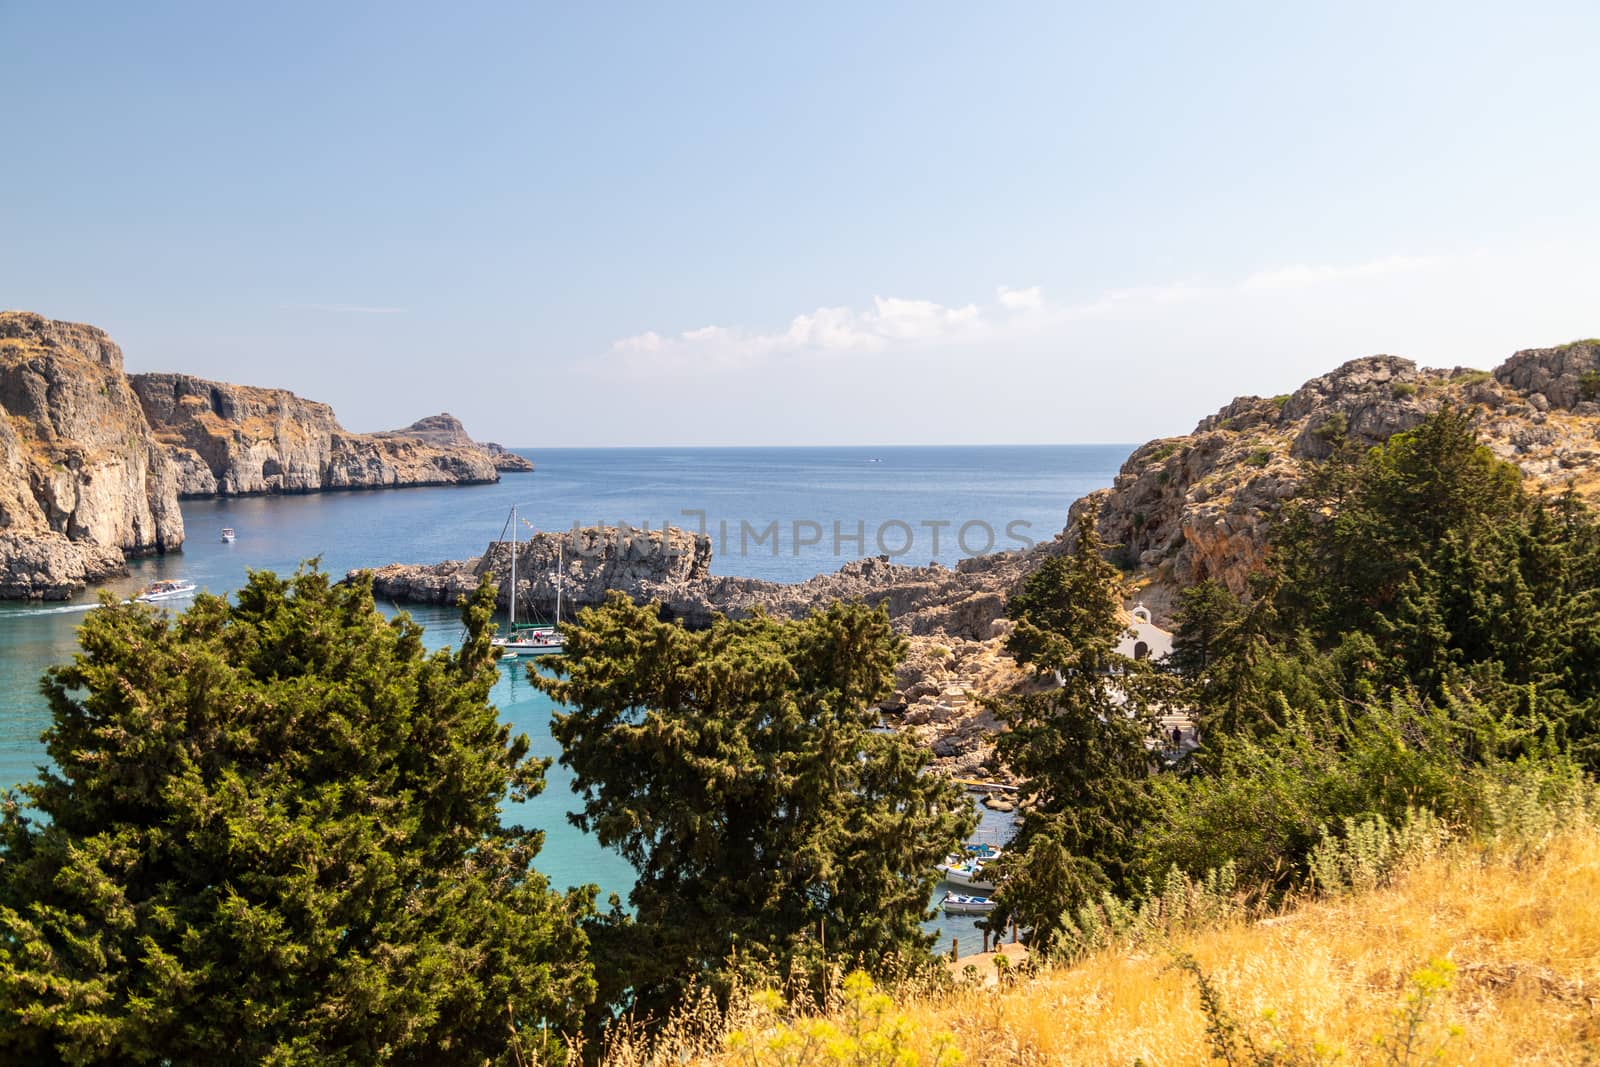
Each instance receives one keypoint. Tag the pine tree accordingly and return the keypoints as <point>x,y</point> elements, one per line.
<point>738,771</point>
<point>271,834</point>
<point>1081,744</point>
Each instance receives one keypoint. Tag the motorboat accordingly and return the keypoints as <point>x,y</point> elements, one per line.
<point>228,536</point>
<point>166,589</point>
<point>961,904</point>
<point>968,875</point>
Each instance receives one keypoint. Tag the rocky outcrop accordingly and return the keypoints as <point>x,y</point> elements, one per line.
<point>1567,377</point>
<point>1200,506</point>
<point>446,431</point>
<point>83,483</point>
<point>675,569</point>
<point>645,564</point>
<point>237,440</point>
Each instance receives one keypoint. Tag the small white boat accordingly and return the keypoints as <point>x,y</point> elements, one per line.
<point>228,536</point>
<point>967,875</point>
<point>166,589</point>
<point>961,904</point>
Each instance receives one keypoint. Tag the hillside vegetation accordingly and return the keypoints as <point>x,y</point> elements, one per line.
<point>1486,954</point>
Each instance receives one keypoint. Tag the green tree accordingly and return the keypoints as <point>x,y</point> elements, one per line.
<point>1081,743</point>
<point>1207,613</point>
<point>738,771</point>
<point>271,834</point>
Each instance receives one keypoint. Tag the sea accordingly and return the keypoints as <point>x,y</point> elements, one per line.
<point>783,514</point>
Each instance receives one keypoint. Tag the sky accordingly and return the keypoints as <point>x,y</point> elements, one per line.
<point>853,223</point>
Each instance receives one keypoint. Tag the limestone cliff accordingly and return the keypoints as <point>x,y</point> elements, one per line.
<point>82,482</point>
<point>236,440</point>
<point>1200,506</point>
<point>446,431</point>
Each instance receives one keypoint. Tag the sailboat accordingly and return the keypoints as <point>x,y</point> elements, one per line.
<point>529,639</point>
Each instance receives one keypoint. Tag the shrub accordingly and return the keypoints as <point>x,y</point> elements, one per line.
<point>1401,390</point>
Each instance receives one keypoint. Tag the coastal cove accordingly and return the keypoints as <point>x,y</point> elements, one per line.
<point>925,489</point>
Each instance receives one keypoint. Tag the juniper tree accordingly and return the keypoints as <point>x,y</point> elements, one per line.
<point>1079,742</point>
<point>738,770</point>
<point>271,834</point>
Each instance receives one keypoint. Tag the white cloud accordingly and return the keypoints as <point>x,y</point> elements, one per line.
<point>1019,299</point>
<point>1015,317</point>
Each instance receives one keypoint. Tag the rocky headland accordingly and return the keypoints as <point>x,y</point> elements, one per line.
<point>238,440</point>
<point>93,460</point>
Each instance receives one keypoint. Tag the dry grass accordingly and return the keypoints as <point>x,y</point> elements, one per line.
<point>1328,980</point>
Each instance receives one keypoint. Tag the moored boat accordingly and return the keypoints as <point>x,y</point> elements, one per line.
<point>968,875</point>
<point>962,904</point>
<point>166,589</point>
<point>529,639</point>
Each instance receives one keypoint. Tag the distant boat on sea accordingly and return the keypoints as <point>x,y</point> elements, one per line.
<point>228,536</point>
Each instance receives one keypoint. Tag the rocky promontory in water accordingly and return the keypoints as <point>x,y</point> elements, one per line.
<point>237,440</point>
<point>93,460</point>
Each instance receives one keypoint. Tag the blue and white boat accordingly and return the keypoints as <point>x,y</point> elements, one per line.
<point>961,904</point>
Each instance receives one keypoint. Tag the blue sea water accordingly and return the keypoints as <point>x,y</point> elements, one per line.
<point>783,514</point>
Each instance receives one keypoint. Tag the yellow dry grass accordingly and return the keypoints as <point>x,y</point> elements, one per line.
<point>1327,980</point>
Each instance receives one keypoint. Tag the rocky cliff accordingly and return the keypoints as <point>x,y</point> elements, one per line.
<point>82,482</point>
<point>1200,506</point>
<point>446,431</point>
<point>235,440</point>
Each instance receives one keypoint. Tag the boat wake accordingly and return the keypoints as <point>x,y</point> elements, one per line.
<point>64,609</point>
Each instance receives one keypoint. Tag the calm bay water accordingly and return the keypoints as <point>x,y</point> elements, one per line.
<point>783,514</point>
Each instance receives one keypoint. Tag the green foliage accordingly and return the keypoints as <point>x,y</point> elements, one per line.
<point>1067,612</point>
<point>1402,390</point>
<point>271,834</point>
<point>737,770</point>
<point>1589,384</point>
<point>1333,427</point>
<point>1163,452</point>
<point>1259,458</point>
<point>1079,745</point>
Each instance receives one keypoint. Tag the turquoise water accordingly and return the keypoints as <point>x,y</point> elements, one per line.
<point>805,492</point>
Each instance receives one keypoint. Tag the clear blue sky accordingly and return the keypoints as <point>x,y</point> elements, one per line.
<point>820,223</point>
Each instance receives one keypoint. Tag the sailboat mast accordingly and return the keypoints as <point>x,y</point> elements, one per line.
<point>512,630</point>
<point>559,569</point>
